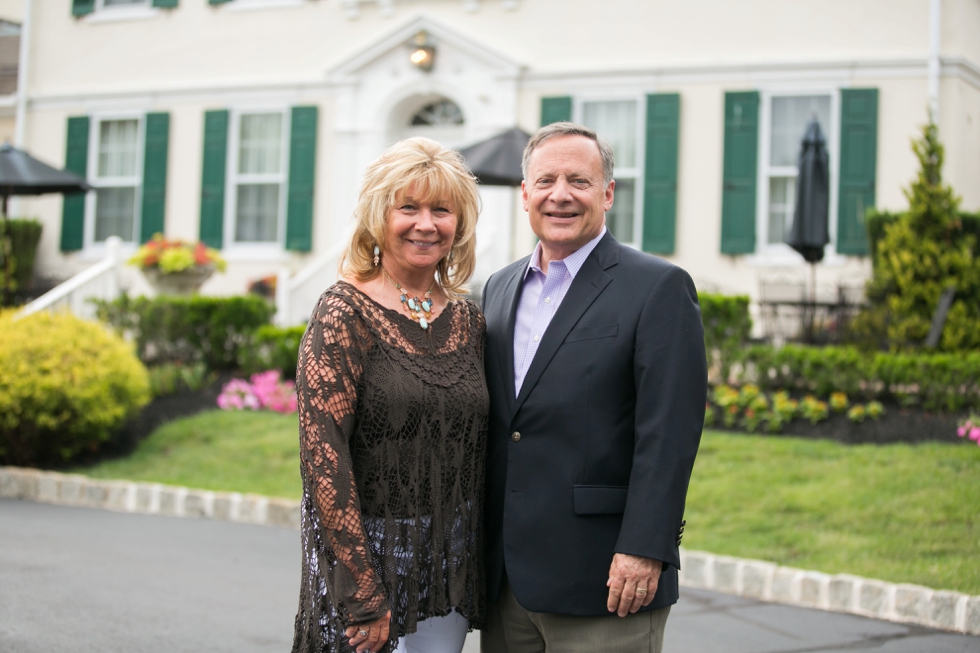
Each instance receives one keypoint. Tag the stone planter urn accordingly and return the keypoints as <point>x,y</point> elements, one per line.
<point>185,282</point>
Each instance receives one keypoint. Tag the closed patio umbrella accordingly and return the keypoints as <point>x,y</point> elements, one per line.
<point>497,161</point>
<point>810,231</point>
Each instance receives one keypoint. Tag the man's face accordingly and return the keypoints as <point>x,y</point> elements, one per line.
<point>564,194</point>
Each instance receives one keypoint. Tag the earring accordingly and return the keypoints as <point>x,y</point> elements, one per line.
<point>377,255</point>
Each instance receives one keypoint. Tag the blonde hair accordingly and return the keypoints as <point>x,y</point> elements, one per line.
<point>433,173</point>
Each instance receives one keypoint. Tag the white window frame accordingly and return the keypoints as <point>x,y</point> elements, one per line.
<point>636,173</point>
<point>95,122</point>
<point>781,254</point>
<point>107,14</point>
<point>258,5</point>
<point>248,250</point>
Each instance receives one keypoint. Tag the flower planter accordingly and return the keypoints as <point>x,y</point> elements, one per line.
<point>185,282</point>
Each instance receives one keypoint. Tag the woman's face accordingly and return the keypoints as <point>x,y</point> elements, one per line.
<point>419,234</point>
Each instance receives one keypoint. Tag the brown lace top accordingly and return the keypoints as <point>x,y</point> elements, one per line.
<point>393,423</point>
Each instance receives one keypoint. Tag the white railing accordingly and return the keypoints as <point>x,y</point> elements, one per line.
<point>100,281</point>
<point>296,295</point>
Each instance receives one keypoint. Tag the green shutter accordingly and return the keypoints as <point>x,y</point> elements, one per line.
<point>164,4</point>
<point>302,178</point>
<point>739,176</point>
<point>213,178</point>
<point>82,7</point>
<point>73,209</point>
<point>858,159</point>
<point>217,2</point>
<point>555,109</point>
<point>154,175</point>
<point>660,173</point>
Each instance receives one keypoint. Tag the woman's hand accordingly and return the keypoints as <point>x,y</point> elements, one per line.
<point>371,636</point>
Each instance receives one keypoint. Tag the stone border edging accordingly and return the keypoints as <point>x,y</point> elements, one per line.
<point>765,581</point>
<point>146,498</point>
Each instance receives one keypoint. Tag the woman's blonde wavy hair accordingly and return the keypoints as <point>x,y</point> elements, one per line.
<point>435,174</point>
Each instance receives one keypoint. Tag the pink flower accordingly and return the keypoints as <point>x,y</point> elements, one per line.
<point>961,431</point>
<point>274,393</point>
<point>237,395</point>
<point>975,433</point>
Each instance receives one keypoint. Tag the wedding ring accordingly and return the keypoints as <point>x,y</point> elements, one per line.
<point>362,633</point>
<point>641,591</point>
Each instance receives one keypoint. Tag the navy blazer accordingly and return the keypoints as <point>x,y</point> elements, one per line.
<point>595,454</point>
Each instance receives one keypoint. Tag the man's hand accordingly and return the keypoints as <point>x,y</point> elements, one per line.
<point>632,583</point>
<point>375,635</point>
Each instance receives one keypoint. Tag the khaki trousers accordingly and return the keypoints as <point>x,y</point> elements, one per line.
<point>512,629</point>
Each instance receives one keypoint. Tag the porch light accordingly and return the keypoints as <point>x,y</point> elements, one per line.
<point>423,51</point>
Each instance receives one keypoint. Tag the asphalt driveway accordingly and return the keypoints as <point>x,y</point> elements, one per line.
<point>80,580</point>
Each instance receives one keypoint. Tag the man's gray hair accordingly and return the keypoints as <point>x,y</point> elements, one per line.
<point>570,129</point>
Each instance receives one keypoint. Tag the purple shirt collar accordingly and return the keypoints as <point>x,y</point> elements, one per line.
<point>573,262</point>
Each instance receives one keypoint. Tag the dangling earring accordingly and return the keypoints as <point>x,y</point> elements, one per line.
<point>377,255</point>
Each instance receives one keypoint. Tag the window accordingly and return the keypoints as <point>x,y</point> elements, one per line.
<point>616,122</point>
<point>258,174</point>
<point>441,112</point>
<point>789,116</point>
<point>117,180</point>
<point>105,4</point>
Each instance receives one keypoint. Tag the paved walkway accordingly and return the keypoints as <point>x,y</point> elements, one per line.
<point>85,580</point>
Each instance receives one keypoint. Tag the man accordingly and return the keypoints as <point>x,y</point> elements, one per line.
<point>596,367</point>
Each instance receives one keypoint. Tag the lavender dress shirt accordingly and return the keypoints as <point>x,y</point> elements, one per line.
<point>540,299</point>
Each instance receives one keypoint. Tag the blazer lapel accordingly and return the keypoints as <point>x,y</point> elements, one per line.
<point>590,281</point>
<point>507,314</point>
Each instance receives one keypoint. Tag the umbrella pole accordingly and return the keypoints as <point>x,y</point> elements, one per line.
<point>812,304</point>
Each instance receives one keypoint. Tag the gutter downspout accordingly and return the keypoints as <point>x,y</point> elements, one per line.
<point>935,37</point>
<point>20,117</point>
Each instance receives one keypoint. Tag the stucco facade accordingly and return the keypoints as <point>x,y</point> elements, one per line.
<point>496,60</point>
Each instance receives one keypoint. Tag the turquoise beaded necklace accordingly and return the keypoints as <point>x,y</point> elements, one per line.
<point>419,309</point>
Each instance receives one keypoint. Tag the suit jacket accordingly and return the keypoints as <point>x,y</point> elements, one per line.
<point>595,454</point>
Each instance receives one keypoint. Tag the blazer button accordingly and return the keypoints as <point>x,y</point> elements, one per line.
<point>515,436</point>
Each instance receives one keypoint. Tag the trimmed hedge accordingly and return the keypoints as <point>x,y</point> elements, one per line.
<point>66,386</point>
<point>24,235</point>
<point>168,329</point>
<point>727,326</point>
<point>274,348</point>
<point>936,382</point>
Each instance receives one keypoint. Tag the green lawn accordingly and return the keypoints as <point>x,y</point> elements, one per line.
<point>903,513</point>
<point>240,451</point>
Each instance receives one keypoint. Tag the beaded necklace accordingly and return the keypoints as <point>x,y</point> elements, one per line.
<point>420,310</point>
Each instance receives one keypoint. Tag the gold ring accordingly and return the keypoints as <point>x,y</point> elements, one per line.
<point>641,591</point>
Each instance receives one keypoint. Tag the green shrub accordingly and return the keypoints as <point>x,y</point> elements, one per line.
<point>66,385</point>
<point>936,382</point>
<point>917,256</point>
<point>23,237</point>
<point>273,348</point>
<point>170,378</point>
<point>211,330</point>
<point>726,326</point>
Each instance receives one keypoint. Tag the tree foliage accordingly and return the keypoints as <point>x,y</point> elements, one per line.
<point>921,254</point>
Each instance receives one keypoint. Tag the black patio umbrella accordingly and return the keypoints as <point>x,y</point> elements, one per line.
<point>497,161</point>
<point>22,174</point>
<point>809,233</point>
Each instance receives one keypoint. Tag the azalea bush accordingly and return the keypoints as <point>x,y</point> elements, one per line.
<point>970,428</point>
<point>265,390</point>
<point>172,255</point>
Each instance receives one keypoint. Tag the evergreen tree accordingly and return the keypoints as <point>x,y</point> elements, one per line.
<point>920,255</point>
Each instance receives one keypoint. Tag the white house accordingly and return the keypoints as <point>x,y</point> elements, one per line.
<point>247,123</point>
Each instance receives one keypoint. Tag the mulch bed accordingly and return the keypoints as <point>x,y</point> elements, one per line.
<point>898,424</point>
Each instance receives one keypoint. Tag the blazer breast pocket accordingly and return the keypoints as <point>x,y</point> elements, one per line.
<point>592,332</point>
<point>600,499</point>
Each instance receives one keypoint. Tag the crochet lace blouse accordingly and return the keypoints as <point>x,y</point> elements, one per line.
<point>392,423</point>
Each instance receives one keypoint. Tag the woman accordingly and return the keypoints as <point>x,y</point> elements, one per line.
<point>393,413</point>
